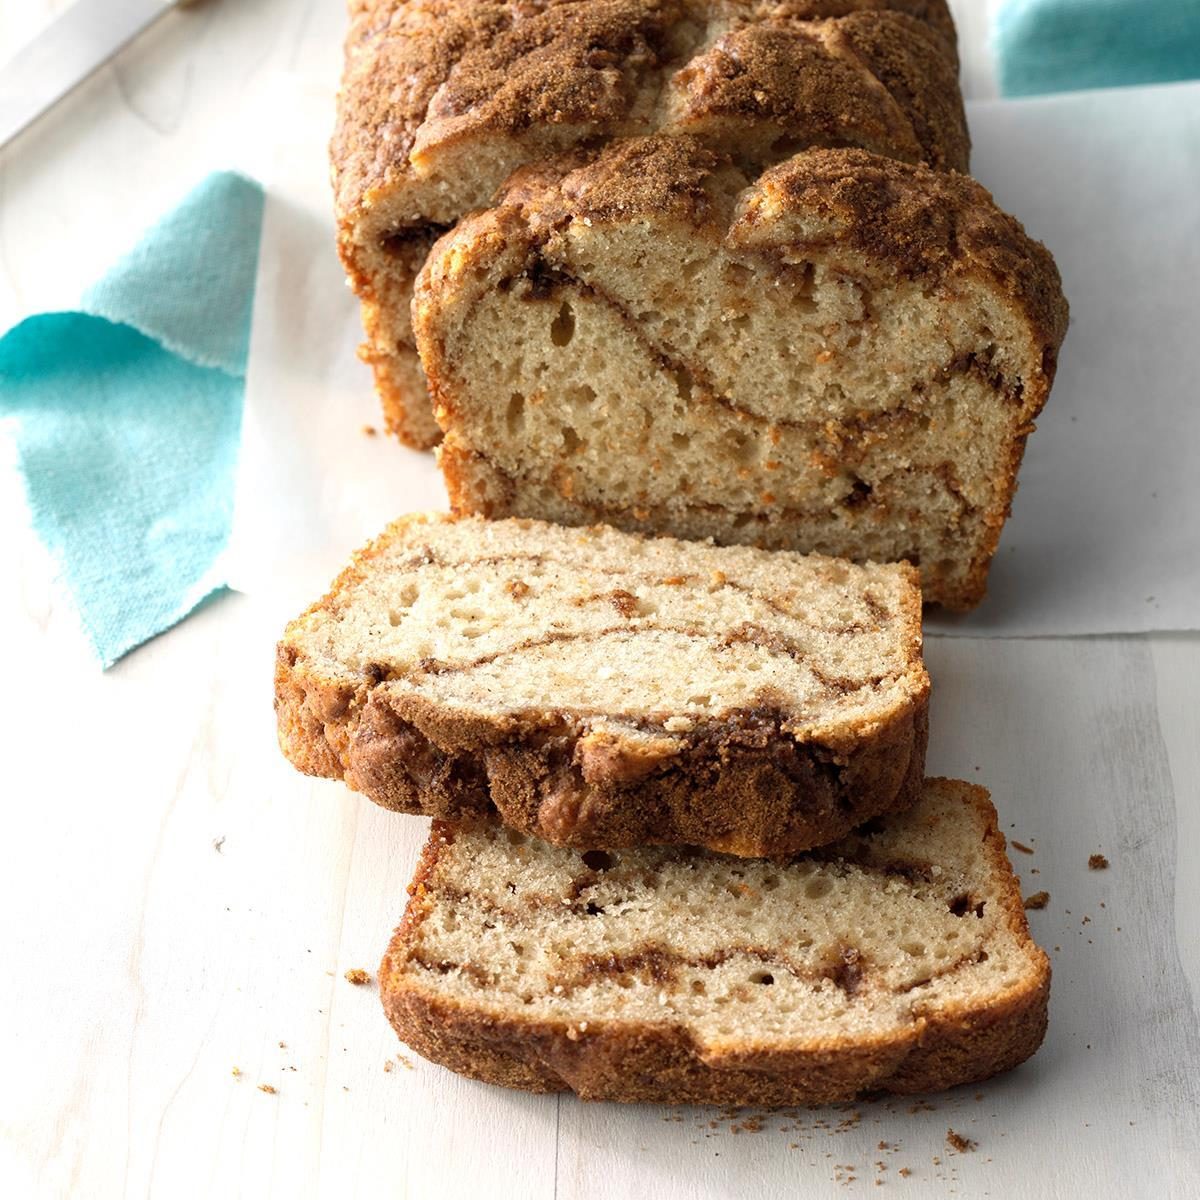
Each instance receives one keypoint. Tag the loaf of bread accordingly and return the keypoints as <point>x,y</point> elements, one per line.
<point>897,960</point>
<point>442,99</point>
<point>600,689</point>
<point>844,355</point>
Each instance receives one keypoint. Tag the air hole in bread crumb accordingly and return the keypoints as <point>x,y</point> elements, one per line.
<point>571,440</point>
<point>822,885</point>
<point>763,977</point>
<point>741,448</point>
<point>683,385</point>
<point>598,860</point>
<point>698,988</point>
<point>514,415</point>
<point>562,328</point>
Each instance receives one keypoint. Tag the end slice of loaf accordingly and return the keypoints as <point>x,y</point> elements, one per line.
<point>604,689</point>
<point>897,960</point>
<point>441,100</point>
<point>844,356</point>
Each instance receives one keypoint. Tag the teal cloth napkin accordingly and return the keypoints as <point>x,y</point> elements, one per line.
<point>127,414</point>
<point>1068,45</point>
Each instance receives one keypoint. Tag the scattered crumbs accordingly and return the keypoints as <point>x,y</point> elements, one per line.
<point>283,1045</point>
<point>345,1088</point>
<point>978,1097</point>
<point>905,1172</point>
<point>883,1146</point>
<point>357,976</point>
<point>236,1072</point>
<point>1034,871</point>
<point>218,843</point>
<point>1037,900</point>
<point>796,1145</point>
<point>921,1106</point>
<point>1097,862</point>
<point>387,1066</point>
<point>1057,949</point>
<point>957,1142</point>
<point>370,430</point>
<point>406,1063</point>
<point>1024,849</point>
<point>1086,921</point>
<point>270,1089</point>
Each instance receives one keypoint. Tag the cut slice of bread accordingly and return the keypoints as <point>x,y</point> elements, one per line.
<point>441,100</point>
<point>603,689</point>
<point>898,959</point>
<point>845,356</point>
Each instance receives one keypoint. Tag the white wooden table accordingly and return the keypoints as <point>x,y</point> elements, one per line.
<point>178,908</point>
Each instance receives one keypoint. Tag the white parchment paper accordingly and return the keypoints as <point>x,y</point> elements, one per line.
<point>1105,532</point>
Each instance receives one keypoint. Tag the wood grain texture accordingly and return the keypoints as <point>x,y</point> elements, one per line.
<point>143,964</point>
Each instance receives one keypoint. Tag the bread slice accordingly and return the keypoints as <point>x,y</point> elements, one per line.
<point>600,689</point>
<point>845,356</point>
<point>441,100</point>
<point>898,960</point>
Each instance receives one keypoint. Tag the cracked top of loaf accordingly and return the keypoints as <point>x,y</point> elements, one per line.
<point>441,99</point>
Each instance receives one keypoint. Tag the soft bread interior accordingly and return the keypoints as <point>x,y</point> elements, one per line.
<point>653,374</point>
<point>917,916</point>
<point>509,617</point>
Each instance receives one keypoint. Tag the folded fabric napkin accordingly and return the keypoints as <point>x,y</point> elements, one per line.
<point>126,414</point>
<point>1068,45</point>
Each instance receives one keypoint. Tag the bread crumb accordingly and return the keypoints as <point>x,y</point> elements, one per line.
<point>1097,862</point>
<point>218,843</point>
<point>236,1072</point>
<point>956,1141</point>
<point>283,1045</point>
<point>1024,849</point>
<point>269,1089</point>
<point>1037,900</point>
<point>905,1171</point>
<point>387,1066</point>
<point>406,1063</point>
<point>357,976</point>
<point>370,430</point>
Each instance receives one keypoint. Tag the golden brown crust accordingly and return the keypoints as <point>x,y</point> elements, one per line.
<point>743,784</point>
<point>924,224</point>
<point>633,1062</point>
<point>510,83</point>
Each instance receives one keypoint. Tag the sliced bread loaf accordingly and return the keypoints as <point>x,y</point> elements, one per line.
<point>441,100</point>
<point>898,960</point>
<point>603,689</point>
<point>845,356</point>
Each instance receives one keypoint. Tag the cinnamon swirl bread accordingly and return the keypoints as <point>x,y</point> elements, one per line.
<point>843,355</point>
<point>601,689</point>
<point>442,99</point>
<point>897,960</point>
